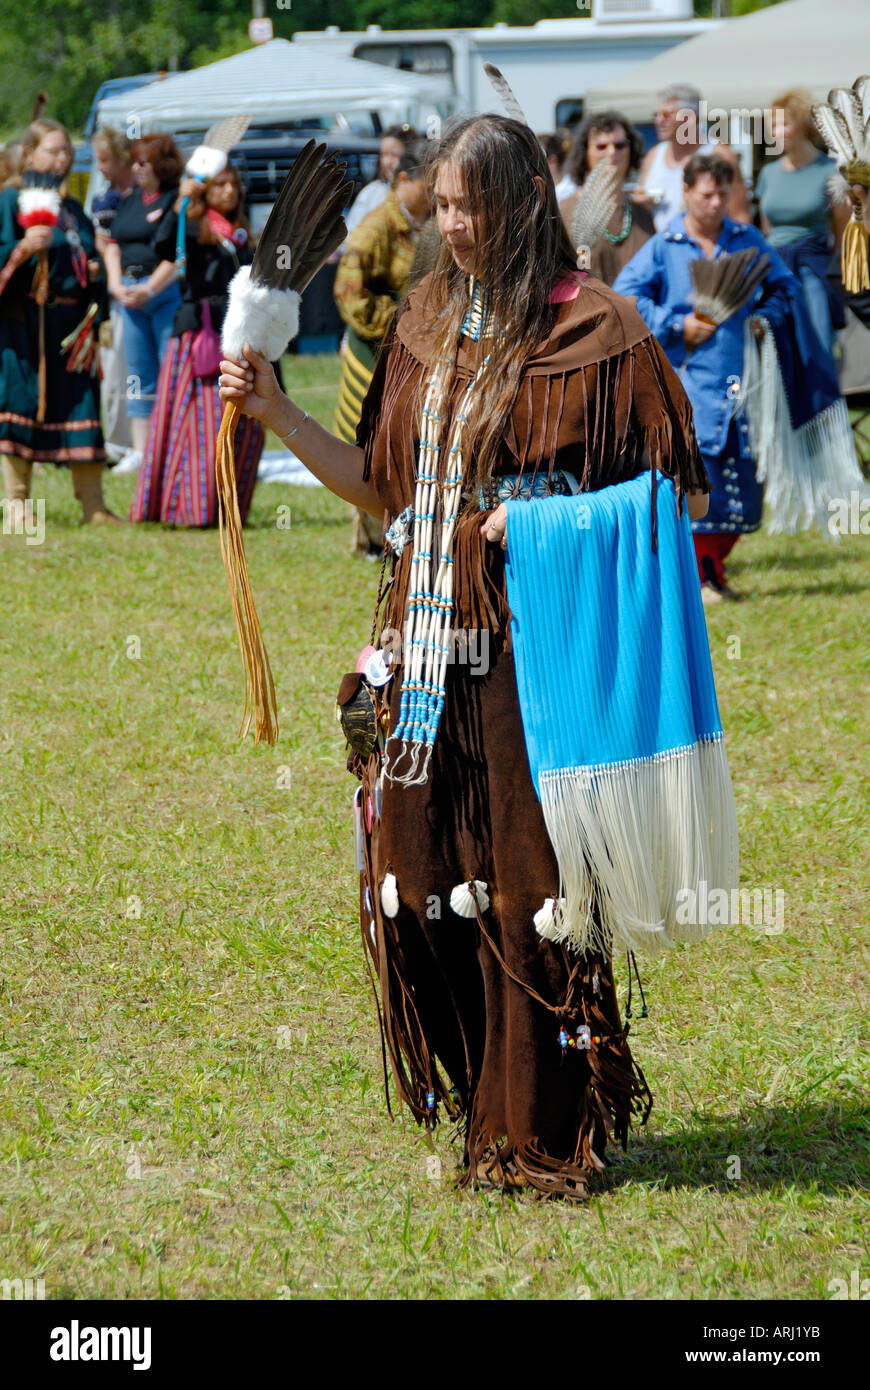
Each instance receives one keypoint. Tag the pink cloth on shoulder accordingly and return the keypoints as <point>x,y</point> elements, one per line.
<point>569,288</point>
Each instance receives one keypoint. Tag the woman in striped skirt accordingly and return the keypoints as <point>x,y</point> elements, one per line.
<point>176,483</point>
<point>371,280</point>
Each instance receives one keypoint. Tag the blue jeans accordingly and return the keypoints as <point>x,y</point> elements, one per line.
<point>145,336</point>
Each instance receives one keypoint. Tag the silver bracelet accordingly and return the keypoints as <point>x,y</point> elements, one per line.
<point>296,428</point>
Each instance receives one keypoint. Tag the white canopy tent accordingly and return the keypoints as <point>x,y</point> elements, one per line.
<point>276,81</point>
<point>748,62</point>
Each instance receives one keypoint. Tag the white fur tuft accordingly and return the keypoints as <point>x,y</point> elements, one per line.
<point>206,163</point>
<point>256,314</point>
<point>36,200</point>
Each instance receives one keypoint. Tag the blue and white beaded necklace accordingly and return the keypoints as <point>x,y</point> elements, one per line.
<point>430,605</point>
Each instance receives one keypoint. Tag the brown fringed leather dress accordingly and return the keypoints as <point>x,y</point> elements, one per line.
<point>472,1008</point>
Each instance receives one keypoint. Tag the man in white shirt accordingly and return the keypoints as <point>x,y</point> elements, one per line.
<point>661,173</point>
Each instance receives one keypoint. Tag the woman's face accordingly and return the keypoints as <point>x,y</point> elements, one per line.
<point>786,130</point>
<point>455,222</point>
<point>143,174</point>
<point>392,150</point>
<point>111,169</point>
<point>52,155</point>
<point>612,145</point>
<point>223,196</point>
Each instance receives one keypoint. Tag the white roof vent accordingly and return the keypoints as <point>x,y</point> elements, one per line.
<point>642,9</point>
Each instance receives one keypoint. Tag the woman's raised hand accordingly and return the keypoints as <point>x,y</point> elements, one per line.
<point>251,384</point>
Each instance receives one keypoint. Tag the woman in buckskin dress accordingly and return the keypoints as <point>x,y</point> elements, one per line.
<point>547,382</point>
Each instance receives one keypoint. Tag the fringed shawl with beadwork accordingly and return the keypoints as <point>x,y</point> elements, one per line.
<point>620,717</point>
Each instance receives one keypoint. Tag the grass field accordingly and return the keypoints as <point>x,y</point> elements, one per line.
<point>191,1102</point>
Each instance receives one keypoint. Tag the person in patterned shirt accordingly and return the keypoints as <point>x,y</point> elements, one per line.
<point>371,280</point>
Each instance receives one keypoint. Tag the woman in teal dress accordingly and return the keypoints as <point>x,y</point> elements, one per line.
<point>56,420</point>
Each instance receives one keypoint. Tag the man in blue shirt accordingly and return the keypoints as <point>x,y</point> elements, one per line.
<point>709,358</point>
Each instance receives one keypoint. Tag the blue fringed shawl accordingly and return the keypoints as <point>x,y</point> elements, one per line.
<point>620,714</point>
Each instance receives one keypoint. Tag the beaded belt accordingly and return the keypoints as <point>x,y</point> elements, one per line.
<point>508,486</point>
<point>502,488</point>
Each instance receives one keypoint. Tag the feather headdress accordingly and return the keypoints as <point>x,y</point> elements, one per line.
<point>596,204</point>
<point>304,228</point>
<point>844,124</point>
<point>722,286</point>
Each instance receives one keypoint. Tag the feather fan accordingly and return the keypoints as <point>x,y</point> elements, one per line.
<point>304,228</point>
<point>722,286</point>
<point>505,93</point>
<point>210,158</point>
<point>596,204</point>
<point>844,124</point>
<point>39,199</point>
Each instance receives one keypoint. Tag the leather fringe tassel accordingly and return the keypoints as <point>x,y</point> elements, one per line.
<point>260,703</point>
<point>853,258</point>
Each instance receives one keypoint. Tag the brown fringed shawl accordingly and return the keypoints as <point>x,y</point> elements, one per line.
<point>598,399</point>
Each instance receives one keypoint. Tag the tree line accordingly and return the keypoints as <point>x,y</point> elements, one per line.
<point>67,48</point>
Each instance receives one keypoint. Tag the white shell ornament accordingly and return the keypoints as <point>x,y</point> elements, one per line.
<point>390,896</point>
<point>545,918</point>
<point>462,901</point>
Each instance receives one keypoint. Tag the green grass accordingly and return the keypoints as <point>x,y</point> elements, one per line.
<point>225,1038</point>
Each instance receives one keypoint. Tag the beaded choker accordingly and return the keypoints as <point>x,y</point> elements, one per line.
<point>616,238</point>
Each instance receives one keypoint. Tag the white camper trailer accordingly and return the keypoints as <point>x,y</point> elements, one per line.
<point>550,65</point>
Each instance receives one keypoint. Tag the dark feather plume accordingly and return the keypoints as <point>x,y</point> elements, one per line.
<point>306,220</point>
<point>722,286</point>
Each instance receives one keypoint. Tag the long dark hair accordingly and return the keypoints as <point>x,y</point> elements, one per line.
<point>605,121</point>
<point>198,206</point>
<point>521,252</point>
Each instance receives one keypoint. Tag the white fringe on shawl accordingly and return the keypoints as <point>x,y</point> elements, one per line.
<point>655,829</point>
<point>805,469</point>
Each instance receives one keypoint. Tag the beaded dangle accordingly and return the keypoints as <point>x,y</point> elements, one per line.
<point>644,1011</point>
<point>430,604</point>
